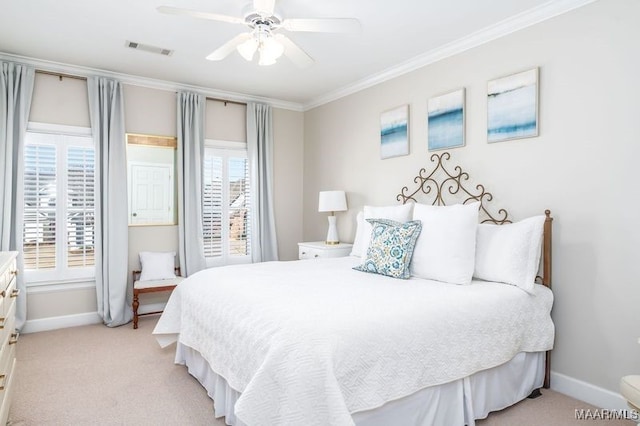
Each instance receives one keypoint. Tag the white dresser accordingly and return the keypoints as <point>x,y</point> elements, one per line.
<point>8,335</point>
<point>318,249</point>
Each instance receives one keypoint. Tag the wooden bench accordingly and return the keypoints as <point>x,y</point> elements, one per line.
<point>150,286</point>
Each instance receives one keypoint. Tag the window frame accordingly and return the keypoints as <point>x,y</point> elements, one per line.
<point>226,150</point>
<point>62,137</point>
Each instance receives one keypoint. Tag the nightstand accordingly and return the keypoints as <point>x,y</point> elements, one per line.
<point>318,249</point>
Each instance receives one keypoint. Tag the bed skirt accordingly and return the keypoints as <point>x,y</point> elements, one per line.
<point>455,403</point>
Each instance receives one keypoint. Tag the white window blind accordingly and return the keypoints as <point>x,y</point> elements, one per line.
<point>212,205</point>
<point>59,207</point>
<point>226,206</point>
<point>80,206</point>
<point>40,206</point>
<point>239,206</point>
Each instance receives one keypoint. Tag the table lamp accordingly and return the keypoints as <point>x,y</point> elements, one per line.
<point>332,201</point>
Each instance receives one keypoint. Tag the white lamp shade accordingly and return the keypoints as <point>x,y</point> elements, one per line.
<point>332,201</point>
<point>271,48</point>
<point>248,48</point>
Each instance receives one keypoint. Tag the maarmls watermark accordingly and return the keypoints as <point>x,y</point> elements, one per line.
<point>605,414</point>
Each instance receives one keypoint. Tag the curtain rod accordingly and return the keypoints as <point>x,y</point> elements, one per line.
<point>77,77</point>
<point>226,101</point>
<point>57,74</point>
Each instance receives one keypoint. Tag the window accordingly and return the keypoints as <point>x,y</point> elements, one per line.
<point>226,204</point>
<point>59,207</point>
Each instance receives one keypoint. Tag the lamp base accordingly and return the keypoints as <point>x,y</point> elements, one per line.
<point>332,233</point>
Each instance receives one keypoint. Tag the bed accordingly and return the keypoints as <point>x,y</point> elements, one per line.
<point>316,342</point>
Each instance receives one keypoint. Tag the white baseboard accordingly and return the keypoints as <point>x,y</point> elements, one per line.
<point>53,323</point>
<point>65,321</point>
<point>591,394</point>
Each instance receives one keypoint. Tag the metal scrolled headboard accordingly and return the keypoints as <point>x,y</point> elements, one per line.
<point>442,184</point>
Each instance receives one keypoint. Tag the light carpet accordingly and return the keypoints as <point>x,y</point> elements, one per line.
<point>95,375</point>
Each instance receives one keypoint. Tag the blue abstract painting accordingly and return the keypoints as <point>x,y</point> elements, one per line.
<point>445,121</point>
<point>512,107</point>
<point>394,132</point>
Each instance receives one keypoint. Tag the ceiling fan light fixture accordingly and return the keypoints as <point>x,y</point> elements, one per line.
<point>264,23</point>
<point>271,48</point>
<point>248,48</point>
<point>266,60</point>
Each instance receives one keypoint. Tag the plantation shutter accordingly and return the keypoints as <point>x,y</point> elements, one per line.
<point>80,206</point>
<point>239,207</point>
<point>40,205</point>
<point>212,205</point>
<point>226,206</point>
<point>59,205</point>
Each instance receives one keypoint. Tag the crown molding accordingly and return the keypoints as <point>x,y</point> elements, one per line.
<point>518,22</point>
<point>80,71</point>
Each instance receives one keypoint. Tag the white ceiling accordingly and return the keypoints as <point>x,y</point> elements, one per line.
<point>396,35</point>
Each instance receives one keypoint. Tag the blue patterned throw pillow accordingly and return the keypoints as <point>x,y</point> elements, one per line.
<point>391,247</point>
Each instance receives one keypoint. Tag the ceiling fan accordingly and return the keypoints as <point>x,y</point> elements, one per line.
<point>263,37</point>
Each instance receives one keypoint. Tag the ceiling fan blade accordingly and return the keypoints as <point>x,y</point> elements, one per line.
<point>264,6</point>
<point>197,14</point>
<point>227,48</point>
<point>294,52</point>
<point>328,25</point>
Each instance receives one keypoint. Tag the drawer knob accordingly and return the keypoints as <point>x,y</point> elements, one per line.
<point>14,338</point>
<point>14,273</point>
<point>15,292</point>
<point>304,252</point>
<point>2,321</point>
<point>3,377</point>
<point>3,293</point>
<point>316,255</point>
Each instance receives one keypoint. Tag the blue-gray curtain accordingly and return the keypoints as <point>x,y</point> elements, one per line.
<point>264,245</point>
<point>190,157</point>
<point>112,232</point>
<point>16,89</point>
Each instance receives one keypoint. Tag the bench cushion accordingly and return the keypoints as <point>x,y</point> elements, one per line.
<point>157,283</point>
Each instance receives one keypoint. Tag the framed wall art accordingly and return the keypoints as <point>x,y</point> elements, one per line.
<point>445,121</point>
<point>512,107</point>
<point>394,132</point>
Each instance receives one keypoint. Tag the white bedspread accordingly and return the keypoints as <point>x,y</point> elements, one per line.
<point>309,342</point>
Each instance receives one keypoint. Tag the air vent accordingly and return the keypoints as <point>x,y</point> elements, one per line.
<point>149,48</point>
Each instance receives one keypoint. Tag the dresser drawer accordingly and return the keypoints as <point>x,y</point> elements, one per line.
<point>7,355</point>
<point>309,253</point>
<point>8,288</point>
<point>6,393</point>
<point>8,274</point>
<point>7,328</point>
<point>318,249</point>
<point>7,301</point>
<point>6,332</point>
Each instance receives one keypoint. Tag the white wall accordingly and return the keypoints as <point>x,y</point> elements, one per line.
<point>582,167</point>
<point>152,112</point>
<point>288,135</point>
<point>60,101</point>
<point>225,121</point>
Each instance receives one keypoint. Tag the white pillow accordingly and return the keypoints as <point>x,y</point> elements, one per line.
<point>400,213</point>
<point>157,265</point>
<point>445,250</point>
<point>510,253</point>
<point>360,240</point>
